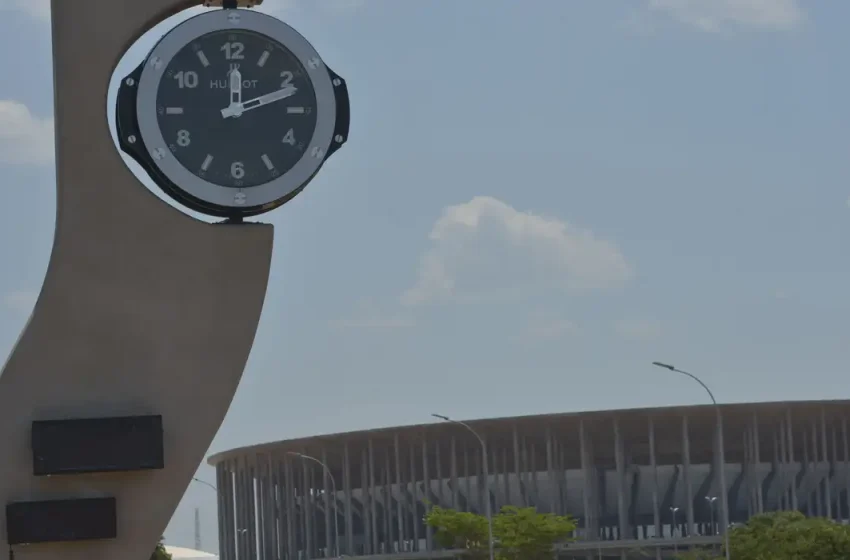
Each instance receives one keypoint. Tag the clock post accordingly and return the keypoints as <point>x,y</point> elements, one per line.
<point>138,340</point>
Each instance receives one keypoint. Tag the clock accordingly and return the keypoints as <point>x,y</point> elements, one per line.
<point>232,113</point>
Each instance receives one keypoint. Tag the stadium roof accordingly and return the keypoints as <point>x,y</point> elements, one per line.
<point>733,413</point>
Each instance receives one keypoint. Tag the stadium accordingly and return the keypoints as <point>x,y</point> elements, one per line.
<point>640,482</point>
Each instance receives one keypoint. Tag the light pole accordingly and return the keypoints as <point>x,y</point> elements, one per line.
<point>333,488</point>
<point>240,539</point>
<point>487,507</point>
<point>673,510</point>
<point>711,500</point>
<point>205,483</point>
<point>721,460</point>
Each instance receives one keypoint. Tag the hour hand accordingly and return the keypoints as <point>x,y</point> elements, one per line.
<point>235,87</point>
<point>236,109</point>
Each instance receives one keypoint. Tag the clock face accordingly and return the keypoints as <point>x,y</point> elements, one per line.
<point>232,113</point>
<point>236,108</point>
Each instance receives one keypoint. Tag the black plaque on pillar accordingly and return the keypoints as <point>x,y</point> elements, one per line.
<point>92,445</point>
<point>61,521</point>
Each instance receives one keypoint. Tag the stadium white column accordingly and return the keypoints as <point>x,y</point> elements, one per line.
<point>834,468</point>
<point>426,483</point>
<point>825,455</point>
<point>589,525</point>
<point>346,484</point>
<point>373,514</point>
<point>787,466</point>
<point>401,501</point>
<point>846,464</point>
<point>619,462</point>
<point>686,476</point>
<point>290,510</point>
<point>757,441</point>
<point>414,494</point>
<point>653,463</point>
<point>789,429</point>
<point>554,486</point>
<point>721,460</point>
<point>778,467</point>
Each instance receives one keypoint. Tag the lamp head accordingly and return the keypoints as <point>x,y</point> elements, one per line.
<point>441,417</point>
<point>663,365</point>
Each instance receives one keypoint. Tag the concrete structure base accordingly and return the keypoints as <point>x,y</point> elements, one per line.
<point>143,310</point>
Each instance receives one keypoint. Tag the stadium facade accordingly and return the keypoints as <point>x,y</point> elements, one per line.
<point>638,481</point>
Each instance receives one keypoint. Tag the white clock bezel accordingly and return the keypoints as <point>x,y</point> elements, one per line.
<point>230,197</point>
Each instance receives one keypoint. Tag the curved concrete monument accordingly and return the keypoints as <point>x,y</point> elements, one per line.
<point>144,311</point>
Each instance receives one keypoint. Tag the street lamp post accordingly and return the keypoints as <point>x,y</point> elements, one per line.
<point>240,539</point>
<point>673,510</point>
<point>711,500</point>
<point>205,483</point>
<point>333,488</point>
<point>721,460</point>
<point>487,507</point>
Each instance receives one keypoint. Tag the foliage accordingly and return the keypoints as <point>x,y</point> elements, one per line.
<point>790,536</point>
<point>524,534</point>
<point>460,530</point>
<point>519,533</point>
<point>699,554</point>
<point>784,535</point>
<point>159,552</point>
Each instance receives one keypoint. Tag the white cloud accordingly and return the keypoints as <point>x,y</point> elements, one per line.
<point>24,137</point>
<point>39,9</point>
<point>638,329</point>
<point>373,323</point>
<point>485,246</point>
<point>542,325</point>
<point>713,15</point>
<point>20,302</point>
<point>368,316</point>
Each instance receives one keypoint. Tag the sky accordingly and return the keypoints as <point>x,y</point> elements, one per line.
<point>537,200</point>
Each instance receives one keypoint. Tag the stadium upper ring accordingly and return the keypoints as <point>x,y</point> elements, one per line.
<point>634,479</point>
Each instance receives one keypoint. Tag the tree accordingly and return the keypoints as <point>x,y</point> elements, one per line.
<point>524,534</point>
<point>159,553</point>
<point>784,535</point>
<point>789,535</point>
<point>519,533</point>
<point>460,530</point>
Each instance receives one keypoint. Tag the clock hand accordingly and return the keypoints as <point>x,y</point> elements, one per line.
<point>235,87</point>
<point>236,109</point>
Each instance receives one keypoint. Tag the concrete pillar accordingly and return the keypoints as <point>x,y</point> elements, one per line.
<point>621,481</point>
<point>414,493</point>
<point>349,518</point>
<point>399,491</point>
<point>686,474</point>
<point>427,484</point>
<point>827,497</point>
<point>656,514</point>
<point>124,337</point>
<point>791,459</point>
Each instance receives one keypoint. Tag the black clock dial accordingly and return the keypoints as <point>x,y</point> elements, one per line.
<point>236,108</point>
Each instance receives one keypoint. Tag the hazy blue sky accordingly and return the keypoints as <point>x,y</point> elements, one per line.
<point>537,200</point>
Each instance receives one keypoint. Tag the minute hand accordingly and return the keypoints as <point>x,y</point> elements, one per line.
<point>236,109</point>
